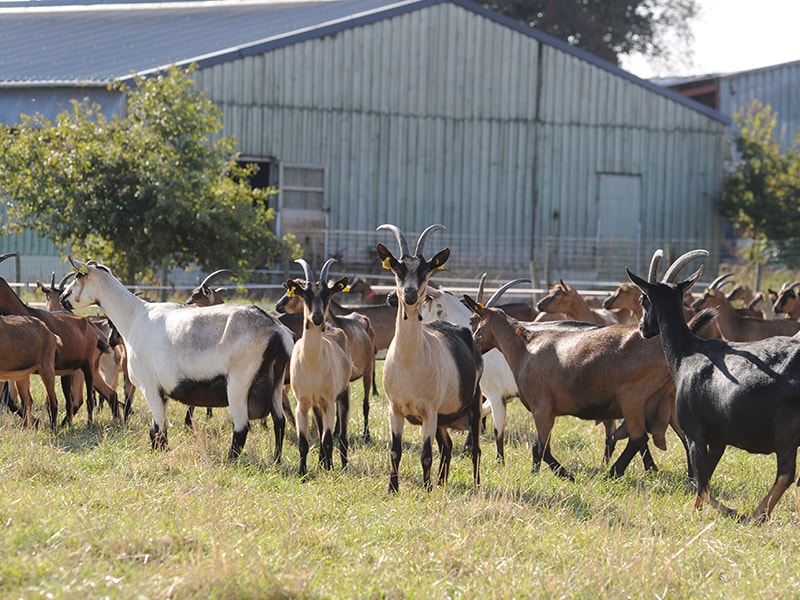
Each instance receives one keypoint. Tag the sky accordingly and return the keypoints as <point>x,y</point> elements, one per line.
<point>736,35</point>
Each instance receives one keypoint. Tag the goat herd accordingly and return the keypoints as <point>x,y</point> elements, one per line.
<point>716,376</point>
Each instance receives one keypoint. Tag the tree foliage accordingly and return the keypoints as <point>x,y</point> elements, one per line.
<point>761,195</point>
<point>156,188</point>
<point>658,29</point>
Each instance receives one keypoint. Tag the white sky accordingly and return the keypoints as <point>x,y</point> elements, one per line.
<point>737,35</point>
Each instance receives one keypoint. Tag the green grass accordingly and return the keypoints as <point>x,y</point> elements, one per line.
<point>94,512</point>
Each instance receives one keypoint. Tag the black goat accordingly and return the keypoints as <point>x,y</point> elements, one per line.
<point>743,394</point>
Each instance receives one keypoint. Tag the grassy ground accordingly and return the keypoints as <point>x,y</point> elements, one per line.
<point>93,512</point>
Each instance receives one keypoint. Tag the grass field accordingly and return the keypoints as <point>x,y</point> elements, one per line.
<point>94,512</point>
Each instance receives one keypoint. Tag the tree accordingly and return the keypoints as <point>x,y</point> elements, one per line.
<point>761,196</point>
<point>658,29</point>
<point>154,189</point>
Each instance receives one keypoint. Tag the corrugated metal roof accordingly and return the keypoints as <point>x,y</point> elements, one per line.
<point>72,42</point>
<point>61,41</point>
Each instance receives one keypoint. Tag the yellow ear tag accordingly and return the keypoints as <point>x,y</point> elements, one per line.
<point>712,293</point>
<point>624,287</point>
<point>346,288</point>
<point>290,292</point>
<point>480,305</point>
<point>386,263</point>
<point>440,268</point>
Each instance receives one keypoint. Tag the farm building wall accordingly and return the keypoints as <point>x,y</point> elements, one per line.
<point>442,115</point>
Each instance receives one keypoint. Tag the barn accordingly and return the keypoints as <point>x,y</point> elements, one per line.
<point>539,158</point>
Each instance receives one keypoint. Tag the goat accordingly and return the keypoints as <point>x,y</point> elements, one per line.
<point>735,327</point>
<point>743,394</point>
<point>591,372</point>
<point>111,364</point>
<point>204,295</point>
<point>81,346</point>
<point>360,344</point>
<point>29,347</point>
<point>320,367</point>
<point>786,302</point>
<point>762,304</point>
<point>368,296</point>
<point>624,298</point>
<point>432,371</point>
<point>498,385</point>
<point>566,300</point>
<point>223,355</point>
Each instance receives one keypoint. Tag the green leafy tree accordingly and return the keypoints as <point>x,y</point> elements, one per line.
<point>154,189</point>
<point>658,29</point>
<point>761,196</point>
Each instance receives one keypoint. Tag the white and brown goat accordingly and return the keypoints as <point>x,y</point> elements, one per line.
<point>432,371</point>
<point>223,355</point>
<point>320,366</point>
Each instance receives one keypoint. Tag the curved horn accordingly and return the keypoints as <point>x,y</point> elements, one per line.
<point>401,237</point>
<point>323,272</point>
<point>63,281</point>
<point>481,288</point>
<point>8,255</point>
<point>794,285</point>
<point>306,269</point>
<point>681,262</point>
<point>652,277</point>
<point>52,280</point>
<point>715,285</point>
<point>423,237</point>
<point>756,299</point>
<point>496,296</point>
<point>217,275</point>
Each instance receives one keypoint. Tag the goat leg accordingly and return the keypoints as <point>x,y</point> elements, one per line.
<point>396,424</point>
<point>343,411</point>
<point>445,454</point>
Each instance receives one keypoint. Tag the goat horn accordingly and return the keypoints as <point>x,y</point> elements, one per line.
<point>64,280</point>
<point>794,285</point>
<point>481,287</point>
<point>323,272</point>
<point>756,299</point>
<point>8,255</point>
<point>423,237</point>
<point>306,269</point>
<point>401,237</point>
<point>52,281</point>
<point>717,283</point>
<point>496,296</point>
<point>216,275</point>
<point>657,256</point>
<point>681,262</point>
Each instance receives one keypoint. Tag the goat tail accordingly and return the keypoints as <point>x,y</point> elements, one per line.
<point>59,342</point>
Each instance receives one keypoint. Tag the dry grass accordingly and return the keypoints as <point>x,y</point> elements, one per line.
<point>93,512</point>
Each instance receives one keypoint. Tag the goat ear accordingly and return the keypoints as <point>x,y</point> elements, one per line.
<point>341,285</point>
<point>692,279</point>
<point>291,287</point>
<point>474,306</point>
<point>437,262</point>
<point>637,281</point>
<point>387,260</point>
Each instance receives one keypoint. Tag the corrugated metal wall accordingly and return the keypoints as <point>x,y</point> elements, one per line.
<point>434,116</point>
<point>778,86</point>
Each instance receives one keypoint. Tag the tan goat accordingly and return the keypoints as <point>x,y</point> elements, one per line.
<point>320,367</point>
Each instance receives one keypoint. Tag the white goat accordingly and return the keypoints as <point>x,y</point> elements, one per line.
<point>320,367</point>
<point>225,355</point>
<point>431,371</point>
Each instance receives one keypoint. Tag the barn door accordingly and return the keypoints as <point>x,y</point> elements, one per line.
<point>619,209</point>
<point>303,208</point>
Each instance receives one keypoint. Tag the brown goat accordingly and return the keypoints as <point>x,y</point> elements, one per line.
<point>29,347</point>
<point>81,348</point>
<point>625,298</point>
<point>368,295</point>
<point>737,328</point>
<point>567,301</point>
<point>583,373</point>
<point>111,364</point>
